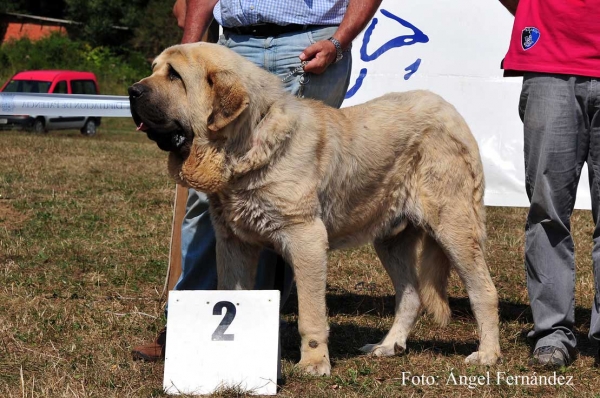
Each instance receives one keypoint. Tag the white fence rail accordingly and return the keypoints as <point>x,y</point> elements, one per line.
<point>65,105</point>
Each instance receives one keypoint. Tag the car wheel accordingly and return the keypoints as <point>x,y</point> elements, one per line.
<point>38,126</point>
<point>89,128</point>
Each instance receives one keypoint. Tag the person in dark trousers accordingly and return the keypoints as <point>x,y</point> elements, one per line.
<point>555,45</point>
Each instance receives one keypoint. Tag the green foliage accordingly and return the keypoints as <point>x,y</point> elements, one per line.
<point>105,22</point>
<point>47,8</point>
<point>114,72</point>
<point>159,29</point>
<point>11,6</point>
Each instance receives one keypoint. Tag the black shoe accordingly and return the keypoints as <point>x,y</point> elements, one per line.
<point>549,357</point>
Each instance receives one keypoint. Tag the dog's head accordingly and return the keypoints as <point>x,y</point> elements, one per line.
<point>192,91</point>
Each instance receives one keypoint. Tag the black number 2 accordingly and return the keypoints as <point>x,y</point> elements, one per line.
<point>219,333</point>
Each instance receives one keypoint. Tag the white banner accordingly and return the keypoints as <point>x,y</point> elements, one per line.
<point>453,48</point>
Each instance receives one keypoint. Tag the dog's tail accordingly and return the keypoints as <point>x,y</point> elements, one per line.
<point>433,281</point>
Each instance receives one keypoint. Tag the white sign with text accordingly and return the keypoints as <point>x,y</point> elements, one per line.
<point>222,339</point>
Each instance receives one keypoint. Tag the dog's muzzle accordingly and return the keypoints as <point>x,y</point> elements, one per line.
<point>144,115</point>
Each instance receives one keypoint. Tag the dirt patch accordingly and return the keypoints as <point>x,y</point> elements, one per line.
<point>10,218</point>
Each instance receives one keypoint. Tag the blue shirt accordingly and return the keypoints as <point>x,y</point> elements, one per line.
<point>234,13</point>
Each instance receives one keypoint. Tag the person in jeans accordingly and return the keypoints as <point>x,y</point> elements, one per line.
<point>555,44</point>
<point>307,45</point>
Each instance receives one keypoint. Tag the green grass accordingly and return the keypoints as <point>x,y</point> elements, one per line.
<point>84,241</point>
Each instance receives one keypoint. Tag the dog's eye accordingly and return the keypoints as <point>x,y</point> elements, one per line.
<point>173,75</point>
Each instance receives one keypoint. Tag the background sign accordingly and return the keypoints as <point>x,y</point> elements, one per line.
<point>222,339</point>
<point>453,48</point>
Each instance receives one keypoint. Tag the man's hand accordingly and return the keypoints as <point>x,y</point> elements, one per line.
<point>179,9</point>
<point>323,53</point>
<point>319,56</point>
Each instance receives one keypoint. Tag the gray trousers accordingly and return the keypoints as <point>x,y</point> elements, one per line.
<point>561,117</point>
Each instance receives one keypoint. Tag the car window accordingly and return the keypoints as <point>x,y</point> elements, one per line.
<point>83,87</point>
<point>61,88</point>
<point>27,86</point>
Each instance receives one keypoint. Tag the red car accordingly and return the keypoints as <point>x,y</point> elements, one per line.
<point>51,81</point>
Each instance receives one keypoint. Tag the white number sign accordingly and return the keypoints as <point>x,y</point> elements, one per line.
<point>221,339</point>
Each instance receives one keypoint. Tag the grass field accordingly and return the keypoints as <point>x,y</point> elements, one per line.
<point>84,242</point>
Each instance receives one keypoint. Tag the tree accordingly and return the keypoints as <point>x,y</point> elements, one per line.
<point>158,32</point>
<point>105,22</point>
<point>52,9</point>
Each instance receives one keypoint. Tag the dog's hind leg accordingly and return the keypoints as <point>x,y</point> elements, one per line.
<point>461,236</point>
<point>399,257</point>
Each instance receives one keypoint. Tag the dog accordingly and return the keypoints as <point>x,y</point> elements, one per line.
<point>402,171</point>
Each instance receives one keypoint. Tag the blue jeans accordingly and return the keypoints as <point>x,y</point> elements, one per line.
<point>561,116</point>
<point>278,55</point>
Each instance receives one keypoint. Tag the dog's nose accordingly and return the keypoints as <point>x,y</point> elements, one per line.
<point>136,90</point>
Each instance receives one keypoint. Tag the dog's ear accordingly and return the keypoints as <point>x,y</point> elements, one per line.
<point>229,99</point>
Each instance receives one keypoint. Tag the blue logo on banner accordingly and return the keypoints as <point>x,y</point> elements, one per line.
<point>529,37</point>
<point>416,37</point>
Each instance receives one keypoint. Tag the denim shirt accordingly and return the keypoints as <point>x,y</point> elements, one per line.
<point>234,13</point>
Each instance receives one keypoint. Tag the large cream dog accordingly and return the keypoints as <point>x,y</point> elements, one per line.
<point>402,171</point>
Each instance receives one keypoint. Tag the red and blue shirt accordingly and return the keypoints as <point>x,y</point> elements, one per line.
<point>556,36</point>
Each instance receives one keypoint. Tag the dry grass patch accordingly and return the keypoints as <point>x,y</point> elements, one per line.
<point>84,234</point>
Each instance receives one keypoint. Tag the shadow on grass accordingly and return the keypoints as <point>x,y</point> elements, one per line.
<point>347,338</point>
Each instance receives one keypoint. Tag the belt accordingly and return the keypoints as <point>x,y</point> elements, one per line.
<point>270,29</point>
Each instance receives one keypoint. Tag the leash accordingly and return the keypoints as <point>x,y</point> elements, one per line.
<point>303,80</point>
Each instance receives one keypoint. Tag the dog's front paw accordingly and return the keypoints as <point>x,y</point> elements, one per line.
<point>314,358</point>
<point>483,358</point>
<point>316,367</point>
<point>384,350</point>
